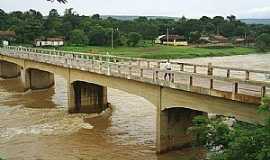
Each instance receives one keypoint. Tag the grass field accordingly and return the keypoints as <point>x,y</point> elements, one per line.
<point>161,52</point>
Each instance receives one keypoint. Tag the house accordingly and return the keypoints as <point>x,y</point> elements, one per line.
<point>214,39</point>
<point>54,42</point>
<point>175,40</point>
<point>6,37</point>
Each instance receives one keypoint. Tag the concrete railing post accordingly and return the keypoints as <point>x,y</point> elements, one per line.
<point>247,75</point>
<point>156,76</point>
<point>141,73</point>
<point>190,81</point>
<point>173,78</point>
<point>130,71</point>
<point>182,67</point>
<point>195,69</point>
<point>148,64</point>
<point>139,63</point>
<point>119,69</point>
<point>210,69</point>
<point>263,91</point>
<point>109,69</point>
<point>211,83</point>
<point>99,66</point>
<point>228,73</point>
<point>158,65</point>
<point>236,88</point>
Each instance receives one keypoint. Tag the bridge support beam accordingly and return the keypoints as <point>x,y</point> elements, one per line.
<point>87,98</point>
<point>9,70</point>
<point>36,79</point>
<point>172,129</point>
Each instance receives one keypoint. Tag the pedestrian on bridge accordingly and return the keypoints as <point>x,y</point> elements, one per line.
<point>168,69</point>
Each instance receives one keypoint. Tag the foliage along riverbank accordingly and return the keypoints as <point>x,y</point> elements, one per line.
<point>240,141</point>
<point>162,52</point>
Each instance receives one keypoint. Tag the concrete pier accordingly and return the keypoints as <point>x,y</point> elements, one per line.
<point>35,79</point>
<point>172,129</point>
<point>9,70</point>
<point>87,98</point>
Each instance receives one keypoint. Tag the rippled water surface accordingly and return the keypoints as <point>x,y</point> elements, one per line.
<point>36,125</point>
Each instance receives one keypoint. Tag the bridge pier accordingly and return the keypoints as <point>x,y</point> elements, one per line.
<point>172,126</point>
<point>87,98</point>
<point>9,70</point>
<point>36,79</point>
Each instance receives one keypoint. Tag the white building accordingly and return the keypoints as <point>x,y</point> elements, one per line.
<point>49,42</point>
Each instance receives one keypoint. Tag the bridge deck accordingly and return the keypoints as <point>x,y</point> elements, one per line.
<point>230,83</point>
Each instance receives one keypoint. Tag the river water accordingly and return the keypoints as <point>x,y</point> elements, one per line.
<point>36,125</point>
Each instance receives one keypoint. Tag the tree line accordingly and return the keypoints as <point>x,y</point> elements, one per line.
<point>94,30</point>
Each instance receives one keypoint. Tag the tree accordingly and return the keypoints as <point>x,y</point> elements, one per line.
<point>243,142</point>
<point>195,36</point>
<point>133,39</point>
<point>218,21</point>
<point>78,37</point>
<point>263,41</point>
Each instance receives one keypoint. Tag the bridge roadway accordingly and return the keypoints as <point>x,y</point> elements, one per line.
<point>193,89</point>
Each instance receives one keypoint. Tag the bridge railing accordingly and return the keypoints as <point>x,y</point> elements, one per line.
<point>228,72</point>
<point>149,63</point>
<point>189,81</point>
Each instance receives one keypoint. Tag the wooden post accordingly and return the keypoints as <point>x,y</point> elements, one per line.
<point>247,75</point>
<point>210,69</point>
<point>228,73</point>
<point>263,91</point>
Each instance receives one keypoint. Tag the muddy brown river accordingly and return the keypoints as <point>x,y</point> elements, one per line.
<point>36,125</point>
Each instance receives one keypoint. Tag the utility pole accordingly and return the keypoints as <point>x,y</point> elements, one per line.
<point>167,36</point>
<point>112,37</point>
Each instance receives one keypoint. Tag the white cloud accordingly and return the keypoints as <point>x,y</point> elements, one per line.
<point>259,12</point>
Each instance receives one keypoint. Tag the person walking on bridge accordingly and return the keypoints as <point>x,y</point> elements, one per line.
<point>168,69</point>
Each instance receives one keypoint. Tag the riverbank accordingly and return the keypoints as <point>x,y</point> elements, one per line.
<point>162,52</point>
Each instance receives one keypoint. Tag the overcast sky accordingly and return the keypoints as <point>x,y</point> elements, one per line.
<point>175,8</point>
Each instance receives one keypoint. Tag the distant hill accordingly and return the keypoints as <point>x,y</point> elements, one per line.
<point>256,21</point>
<point>130,18</point>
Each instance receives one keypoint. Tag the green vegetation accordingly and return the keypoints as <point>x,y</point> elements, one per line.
<point>263,42</point>
<point>93,30</point>
<point>160,52</point>
<point>243,141</point>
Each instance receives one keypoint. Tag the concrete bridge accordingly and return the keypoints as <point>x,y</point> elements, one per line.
<point>192,90</point>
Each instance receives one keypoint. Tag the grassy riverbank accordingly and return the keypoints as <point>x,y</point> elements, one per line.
<point>162,52</point>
